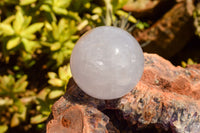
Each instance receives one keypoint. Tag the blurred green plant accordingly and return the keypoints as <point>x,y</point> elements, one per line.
<point>58,7</point>
<point>14,98</point>
<point>20,35</point>
<point>115,16</point>
<point>47,96</point>
<point>188,62</point>
<point>59,39</point>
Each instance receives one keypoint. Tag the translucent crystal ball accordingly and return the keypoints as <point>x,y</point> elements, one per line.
<point>107,62</point>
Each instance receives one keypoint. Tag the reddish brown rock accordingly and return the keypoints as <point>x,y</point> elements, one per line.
<point>197,66</point>
<point>167,97</point>
<point>148,8</point>
<point>171,32</point>
<point>138,6</point>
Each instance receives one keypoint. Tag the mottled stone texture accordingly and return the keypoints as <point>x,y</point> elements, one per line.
<point>171,32</point>
<point>166,96</point>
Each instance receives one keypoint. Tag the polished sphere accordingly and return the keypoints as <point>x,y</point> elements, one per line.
<point>107,62</point>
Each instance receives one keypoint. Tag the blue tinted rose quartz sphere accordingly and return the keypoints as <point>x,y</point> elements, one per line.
<point>107,62</point>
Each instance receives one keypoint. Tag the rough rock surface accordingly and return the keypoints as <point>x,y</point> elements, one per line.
<point>171,32</point>
<point>150,9</point>
<point>167,97</point>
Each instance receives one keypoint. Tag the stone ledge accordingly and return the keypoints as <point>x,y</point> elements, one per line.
<point>166,96</point>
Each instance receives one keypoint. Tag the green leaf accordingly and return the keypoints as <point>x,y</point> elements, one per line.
<point>6,102</point>
<point>38,119</point>
<point>56,82</point>
<point>118,4</point>
<point>28,36</point>
<point>23,111</point>
<point>6,29</point>
<point>55,94</point>
<point>27,21</point>
<point>183,64</point>
<point>74,15</point>
<point>29,45</point>
<point>27,58</point>
<point>82,25</point>
<point>52,75</point>
<point>61,25</point>
<point>14,42</point>
<point>48,26</point>
<point>44,43</point>
<point>6,84</point>
<point>69,45</point>
<point>44,107</point>
<point>14,2</point>
<point>20,85</point>
<point>125,14</point>
<point>26,2</point>
<point>74,38</point>
<point>60,11</point>
<point>20,106</point>
<point>3,128</point>
<point>59,57</point>
<point>46,8</point>
<point>48,2</point>
<point>62,72</point>
<point>15,120</point>
<point>32,29</point>
<point>62,3</point>
<point>142,25</point>
<point>55,46</point>
<point>65,73</point>
<point>19,20</point>
<point>41,126</point>
<point>43,93</point>
<point>55,31</point>
<point>9,19</point>
<point>97,10</point>
<point>190,61</point>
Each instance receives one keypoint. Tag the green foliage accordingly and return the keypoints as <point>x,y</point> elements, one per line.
<point>3,128</point>
<point>59,39</point>
<point>49,94</point>
<point>60,80</point>
<point>36,39</point>
<point>19,34</point>
<point>189,62</point>
<point>142,25</point>
<point>14,99</point>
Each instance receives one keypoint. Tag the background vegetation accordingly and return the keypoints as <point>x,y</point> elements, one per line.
<point>36,40</point>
